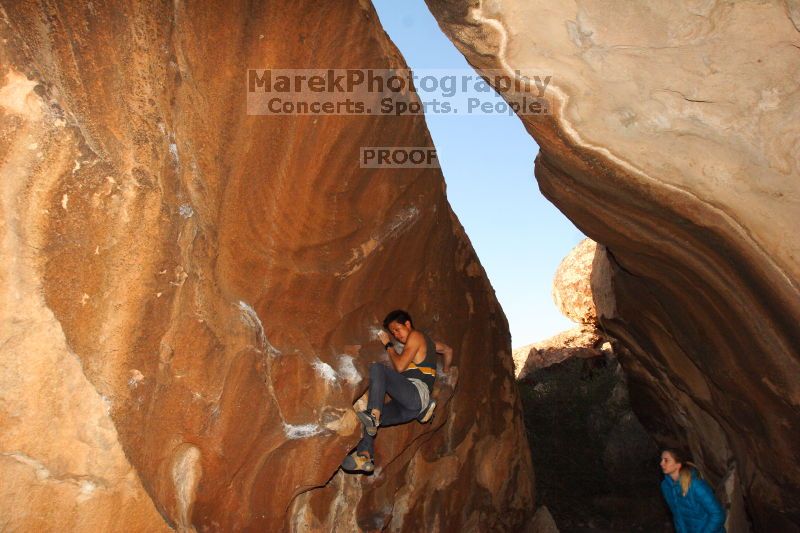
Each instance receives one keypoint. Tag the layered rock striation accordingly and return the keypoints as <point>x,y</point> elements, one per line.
<point>188,290</point>
<point>673,141</point>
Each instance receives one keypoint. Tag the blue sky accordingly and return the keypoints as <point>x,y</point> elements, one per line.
<point>487,162</point>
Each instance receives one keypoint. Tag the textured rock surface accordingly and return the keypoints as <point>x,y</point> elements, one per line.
<point>595,464</point>
<point>572,294</point>
<point>61,461</point>
<point>572,289</point>
<point>542,522</point>
<point>188,290</point>
<point>674,142</point>
<point>584,342</point>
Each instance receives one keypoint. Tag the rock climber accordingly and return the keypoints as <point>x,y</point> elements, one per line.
<point>408,380</point>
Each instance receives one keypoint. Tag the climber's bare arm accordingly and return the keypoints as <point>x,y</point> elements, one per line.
<point>400,361</point>
<point>447,355</point>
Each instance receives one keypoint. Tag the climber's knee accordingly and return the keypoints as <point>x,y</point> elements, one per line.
<point>375,370</point>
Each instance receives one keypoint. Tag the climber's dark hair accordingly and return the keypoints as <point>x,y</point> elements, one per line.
<point>398,315</point>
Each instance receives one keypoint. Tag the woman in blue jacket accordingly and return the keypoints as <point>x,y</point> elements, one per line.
<point>694,507</point>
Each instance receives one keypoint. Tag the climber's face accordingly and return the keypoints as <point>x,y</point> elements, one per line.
<point>668,464</point>
<point>400,331</point>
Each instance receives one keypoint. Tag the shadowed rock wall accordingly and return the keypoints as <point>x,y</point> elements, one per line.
<point>673,141</point>
<point>188,291</point>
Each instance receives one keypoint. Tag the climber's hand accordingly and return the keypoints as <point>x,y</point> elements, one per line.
<point>383,337</point>
<point>450,376</point>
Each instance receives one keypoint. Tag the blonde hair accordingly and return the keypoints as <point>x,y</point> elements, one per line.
<point>685,473</point>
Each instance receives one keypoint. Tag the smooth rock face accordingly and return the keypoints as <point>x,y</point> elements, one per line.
<point>675,142</point>
<point>188,291</point>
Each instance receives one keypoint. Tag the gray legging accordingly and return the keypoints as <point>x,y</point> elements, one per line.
<point>404,407</point>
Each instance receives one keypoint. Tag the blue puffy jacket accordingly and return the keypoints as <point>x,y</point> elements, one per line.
<point>698,511</point>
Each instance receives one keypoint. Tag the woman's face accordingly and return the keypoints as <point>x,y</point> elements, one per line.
<point>668,464</point>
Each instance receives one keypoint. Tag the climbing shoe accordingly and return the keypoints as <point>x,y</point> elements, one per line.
<point>370,424</point>
<point>426,415</point>
<point>358,462</point>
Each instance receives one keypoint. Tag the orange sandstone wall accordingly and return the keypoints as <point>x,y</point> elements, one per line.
<point>189,290</point>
